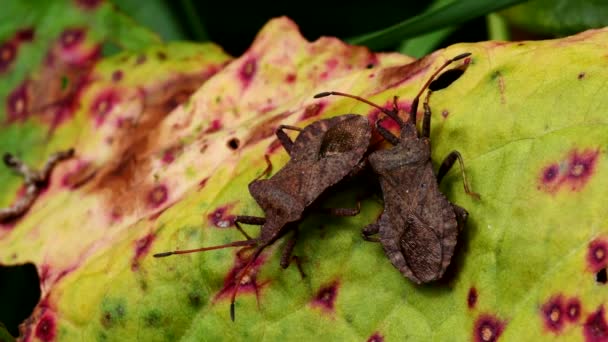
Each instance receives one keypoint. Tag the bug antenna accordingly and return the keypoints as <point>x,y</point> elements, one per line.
<point>204,249</point>
<point>391,113</point>
<point>414,107</point>
<point>237,282</point>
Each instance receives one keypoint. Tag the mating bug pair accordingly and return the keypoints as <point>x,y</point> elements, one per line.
<point>419,226</point>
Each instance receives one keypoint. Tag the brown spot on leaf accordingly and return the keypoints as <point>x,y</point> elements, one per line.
<point>158,196</point>
<point>17,103</point>
<point>595,328</point>
<point>70,38</point>
<point>472,298</point>
<point>326,297</point>
<point>8,51</point>
<point>89,4</point>
<point>117,75</point>
<point>581,75</point>
<point>487,328</point>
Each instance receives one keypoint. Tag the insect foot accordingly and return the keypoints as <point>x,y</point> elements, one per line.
<point>322,155</point>
<point>419,226</point>
<point>35,181</point>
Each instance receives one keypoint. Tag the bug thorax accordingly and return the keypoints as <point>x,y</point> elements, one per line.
<point>276,203</point>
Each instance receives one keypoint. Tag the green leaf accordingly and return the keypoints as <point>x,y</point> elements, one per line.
<point>558,17</point>
<point>448,15</point>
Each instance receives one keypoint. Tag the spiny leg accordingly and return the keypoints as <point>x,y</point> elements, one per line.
<point>284,138</point>
<point>447,163</point>
<point>254,220</point>
<point>287,256</point>
<point>371,229</point>
<point>386,134</point>
<point>55,158</point>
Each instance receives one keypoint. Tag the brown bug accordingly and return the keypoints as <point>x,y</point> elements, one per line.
<point>419,226</point>
<point>324,153</point>
<point>35,181</point>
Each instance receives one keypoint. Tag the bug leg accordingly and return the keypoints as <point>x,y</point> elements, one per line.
<point>287,256</point>
<point>267,170</point>
<point>426,120</point>
<point>447,163</point>
<point>254,220</point>
<point>388,136</point>
<point>284,138</point>
<point>461,215</point>
<point>371,229</point>
<point>344,211</point>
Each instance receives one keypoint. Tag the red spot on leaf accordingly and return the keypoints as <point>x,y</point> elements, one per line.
<point>103,104</point>
<point>221,217</point>
<point>141,59</point>
<point>8,51</point>
<point>597,254</point>
<point>487,328</point>
<point>157,196</point>
<point>45,329</point>
<point>17,103</point>
<point>89,4</point>
<point>202,183</point>
<point>117,75</point>
<point>573,310</point>
<point>25,35</point>
<point>142,247</point>
<point>376,337</point>
<point>326,297</point>
<point>249,281</point>
<point>215,126</point>
<point>313,110</point>
<point>553,313</point>
<point>71,38</point>
<point>290,78</point>
<point>247,71</point>
<point>472,297</point>
<point>595,328</point>
<point>574,172</point>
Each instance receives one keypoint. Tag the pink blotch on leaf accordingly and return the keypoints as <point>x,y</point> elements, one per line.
<point>249,283</point>
<point>157,196</point>
<point>597,254</point>
<point>573,310</point>
<point>142,247</point>
<point>221,217</point>
<point>553,313</point>
<point>487,328</point>
<point>103,104</point>
<point>247,71</point>
<point>595,328</point>
<point>313,110</point>
<point>472,298</point>
<point>326,297</point>
<point>46,329</point>
<point>215,126</point>
<point>376,337</point>
<point>17,103</point>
